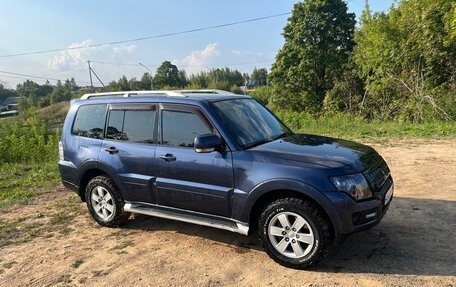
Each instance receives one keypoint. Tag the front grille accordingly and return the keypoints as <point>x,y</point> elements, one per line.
<point>378,175</point>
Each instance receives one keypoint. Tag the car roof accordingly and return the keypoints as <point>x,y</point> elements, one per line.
<point>176,96</point>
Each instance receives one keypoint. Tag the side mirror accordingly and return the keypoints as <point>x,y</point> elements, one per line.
<point>207,143</point>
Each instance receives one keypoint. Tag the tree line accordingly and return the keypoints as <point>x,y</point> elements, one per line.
<point>399,65</point>
<point>167,76</point>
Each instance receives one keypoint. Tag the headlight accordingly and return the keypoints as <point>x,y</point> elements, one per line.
<point>354,185</point>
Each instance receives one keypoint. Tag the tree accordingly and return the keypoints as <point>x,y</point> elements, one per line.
<point>318,41</point>
<point>146,81</point>
<point>6,93</point>
<point>167,75</point>
<point>182,78</point>
<point>259,77</point>
<point>407,61</point>
<point>123,84</point>
<point>70,84</point>
<point>218,78</point>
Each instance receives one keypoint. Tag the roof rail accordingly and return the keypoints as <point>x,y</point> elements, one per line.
<point>132,94</point>
<point>204,91</point>
<point>169,93</point>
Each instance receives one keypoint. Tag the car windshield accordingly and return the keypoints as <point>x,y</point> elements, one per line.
<point>249,122</point>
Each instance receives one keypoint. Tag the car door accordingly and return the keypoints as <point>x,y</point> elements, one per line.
<point>201,182</point>
<point>129,148</point>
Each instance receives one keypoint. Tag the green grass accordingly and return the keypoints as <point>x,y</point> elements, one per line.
<point>20,181</point>
<point>352,127</point>
<point>54,113</point>
<point>23,229</point>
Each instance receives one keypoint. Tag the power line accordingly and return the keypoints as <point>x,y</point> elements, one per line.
<point>17,75</point>
<point>157,65</point>
<point>148,37</point>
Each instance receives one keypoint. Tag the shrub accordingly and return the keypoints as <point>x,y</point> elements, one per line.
<point>31,141</point>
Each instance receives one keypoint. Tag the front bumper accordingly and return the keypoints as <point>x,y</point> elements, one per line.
<point>356,216</point>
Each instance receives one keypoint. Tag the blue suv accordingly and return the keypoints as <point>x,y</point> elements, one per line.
<point>219,159</point>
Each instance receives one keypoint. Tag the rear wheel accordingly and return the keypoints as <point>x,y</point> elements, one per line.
<point>104,202</point>
<point>294,233</point>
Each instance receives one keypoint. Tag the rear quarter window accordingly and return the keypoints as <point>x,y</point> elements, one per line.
<point>89,121</point>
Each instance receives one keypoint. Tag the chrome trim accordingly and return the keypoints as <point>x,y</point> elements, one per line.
<point>173,214</point>
<point>170,93</point>
<point>204,150</point>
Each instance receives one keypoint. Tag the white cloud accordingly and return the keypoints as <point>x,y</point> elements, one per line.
<point>213,56</point>
<point>197,60</point>
<point>127,49</point>
<point>75,59</point>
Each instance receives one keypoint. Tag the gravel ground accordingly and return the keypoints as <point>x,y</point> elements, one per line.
<point>414,245</point>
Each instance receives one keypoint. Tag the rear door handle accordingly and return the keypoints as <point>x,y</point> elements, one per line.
<point>168,157</point>
<point>111,149</point>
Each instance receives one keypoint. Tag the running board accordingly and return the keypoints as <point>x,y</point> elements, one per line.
<point>188,216</point>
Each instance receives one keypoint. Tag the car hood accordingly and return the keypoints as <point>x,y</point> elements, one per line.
<point>347,156</point>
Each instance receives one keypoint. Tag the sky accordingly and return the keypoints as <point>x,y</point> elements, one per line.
<point>29,25</point>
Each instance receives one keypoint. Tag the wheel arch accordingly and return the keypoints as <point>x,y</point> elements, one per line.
<point>91,169</point>
<point>272,190</point>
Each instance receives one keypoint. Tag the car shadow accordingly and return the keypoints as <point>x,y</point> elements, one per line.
<point>416,237</point>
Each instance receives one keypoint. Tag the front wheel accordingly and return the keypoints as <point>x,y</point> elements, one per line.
<point>294,233</point>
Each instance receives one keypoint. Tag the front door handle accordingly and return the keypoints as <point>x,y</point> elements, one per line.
<point>111,149</point>
<point>168,157</point>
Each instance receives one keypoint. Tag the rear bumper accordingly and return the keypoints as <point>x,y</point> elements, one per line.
<point>68,173</point>
<point>362,215</point>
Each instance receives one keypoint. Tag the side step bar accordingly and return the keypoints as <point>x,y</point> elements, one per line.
<point>187,216</point>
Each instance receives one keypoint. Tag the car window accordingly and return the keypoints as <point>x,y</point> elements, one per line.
<point>139,126</point>
<point>181,127</point>
<point>89,121</point>
<point>131,125</point>
<point>115,125</point>
<point>249,122</point>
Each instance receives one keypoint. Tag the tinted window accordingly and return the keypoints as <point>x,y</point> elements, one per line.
<point>181,128</point>
<point>139,126</point>
<point>115,125</point>
<point>249,122</point>
<point>89,121</point>
<point>131,125</point>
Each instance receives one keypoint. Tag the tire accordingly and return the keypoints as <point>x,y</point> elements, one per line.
<point>303,241</point>
<point>104,202</point>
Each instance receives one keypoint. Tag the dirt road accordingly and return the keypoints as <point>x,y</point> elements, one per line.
<point>415,244</point>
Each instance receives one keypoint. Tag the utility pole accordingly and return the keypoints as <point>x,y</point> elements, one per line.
<point>90,74</point>
<point>150,74</point>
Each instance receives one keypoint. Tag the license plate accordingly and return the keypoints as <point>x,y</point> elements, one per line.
<point>388,195</point>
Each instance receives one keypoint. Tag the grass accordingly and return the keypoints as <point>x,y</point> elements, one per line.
<point>54,113</point>
<point>24,229</point>
<point>19,181</point>
<point>352,127</point>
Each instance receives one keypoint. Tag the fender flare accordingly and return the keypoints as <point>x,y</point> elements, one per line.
<point>93,164</point>
<point>295,186</point>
